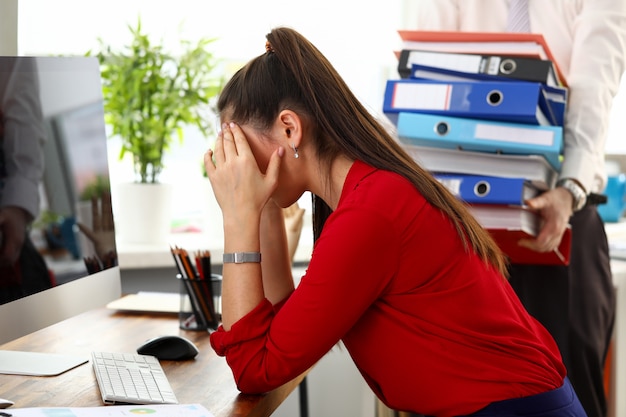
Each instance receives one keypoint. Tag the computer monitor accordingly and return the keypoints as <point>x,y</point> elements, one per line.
<point>75,156</point>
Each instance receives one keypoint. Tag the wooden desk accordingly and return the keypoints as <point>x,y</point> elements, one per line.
<point>207,379</point>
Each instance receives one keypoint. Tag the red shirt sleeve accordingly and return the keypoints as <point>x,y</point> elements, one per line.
<point>273,344</point>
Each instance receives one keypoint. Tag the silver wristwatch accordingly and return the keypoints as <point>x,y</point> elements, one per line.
<point>241,257</point>
<point>578,193</point>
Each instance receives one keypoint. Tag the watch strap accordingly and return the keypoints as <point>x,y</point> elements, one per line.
<point>576,190</point>
<point>241,257</point>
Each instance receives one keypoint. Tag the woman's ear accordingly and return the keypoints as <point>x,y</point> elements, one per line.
<point>290,127</point>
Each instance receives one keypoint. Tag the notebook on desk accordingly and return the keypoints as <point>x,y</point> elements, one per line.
<point>37,364</point>
<point>168,410</point>
<point>148,301</point>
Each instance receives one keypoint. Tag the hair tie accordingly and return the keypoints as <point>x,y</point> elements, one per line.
<point>268,47</point>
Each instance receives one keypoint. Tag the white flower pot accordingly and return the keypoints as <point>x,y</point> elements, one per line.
<point>143,212</point>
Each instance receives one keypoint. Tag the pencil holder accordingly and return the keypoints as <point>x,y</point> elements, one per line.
<point>200,302</point>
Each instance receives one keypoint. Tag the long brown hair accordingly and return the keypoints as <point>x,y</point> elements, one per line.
<point>293,74</point>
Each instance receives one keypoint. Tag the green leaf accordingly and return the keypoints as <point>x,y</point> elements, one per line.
<point>150,96</point>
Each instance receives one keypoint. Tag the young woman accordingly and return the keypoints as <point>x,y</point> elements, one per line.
<point>400,272</point>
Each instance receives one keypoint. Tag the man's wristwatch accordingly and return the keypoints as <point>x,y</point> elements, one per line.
<point>578,193</point>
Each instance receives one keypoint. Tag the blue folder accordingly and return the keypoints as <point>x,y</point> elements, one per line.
<point>481,135</point>
<point>557,99</point>
<point>480,189</point>
<point>518,102</point>
<point>553,96</point>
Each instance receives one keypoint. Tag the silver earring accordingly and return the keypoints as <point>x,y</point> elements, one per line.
<point>295,151</point>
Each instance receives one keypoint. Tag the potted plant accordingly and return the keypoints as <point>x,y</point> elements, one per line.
<point>150,96</point>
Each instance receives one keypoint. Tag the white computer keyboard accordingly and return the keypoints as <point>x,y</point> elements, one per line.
<point>130,378</point>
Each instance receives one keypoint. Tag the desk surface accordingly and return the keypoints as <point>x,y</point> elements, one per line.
<point>206,379</point>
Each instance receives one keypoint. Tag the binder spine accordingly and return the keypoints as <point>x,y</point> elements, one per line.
<point>481,135</point>
<point>482,66</point>
<point>488,190</point>
<point>517,102</point>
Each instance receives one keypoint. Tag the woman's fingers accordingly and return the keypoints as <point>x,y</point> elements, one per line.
<point>225,145</point>
<point>273,167</point>
<point>232,166</point>
<point>240,141</point>
<point>218,151</point>
<point>209,164</point>
<point>228,139</point>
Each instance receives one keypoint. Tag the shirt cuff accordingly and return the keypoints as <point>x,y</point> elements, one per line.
<point>251,326</point>
<point>580,165</point>
<point>21,192</point>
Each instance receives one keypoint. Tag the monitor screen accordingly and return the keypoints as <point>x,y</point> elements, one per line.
<point>54,166</point>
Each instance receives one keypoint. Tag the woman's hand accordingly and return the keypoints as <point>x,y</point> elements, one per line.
<point>240,188</point>
<point>242,191</point>
<point>294,220</point>
<point>276,266</point>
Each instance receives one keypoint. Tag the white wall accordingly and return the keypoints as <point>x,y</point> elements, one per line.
<point>358,40</point>
<point>8,27</point>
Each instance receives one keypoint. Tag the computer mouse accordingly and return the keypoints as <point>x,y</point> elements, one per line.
<point>171,347</point>
<point>5,403</point>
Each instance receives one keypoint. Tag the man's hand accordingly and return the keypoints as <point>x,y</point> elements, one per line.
<point>555,208</point>
<point>102,233</point>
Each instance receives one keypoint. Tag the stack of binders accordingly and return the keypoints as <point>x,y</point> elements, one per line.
<point>484,113</point>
